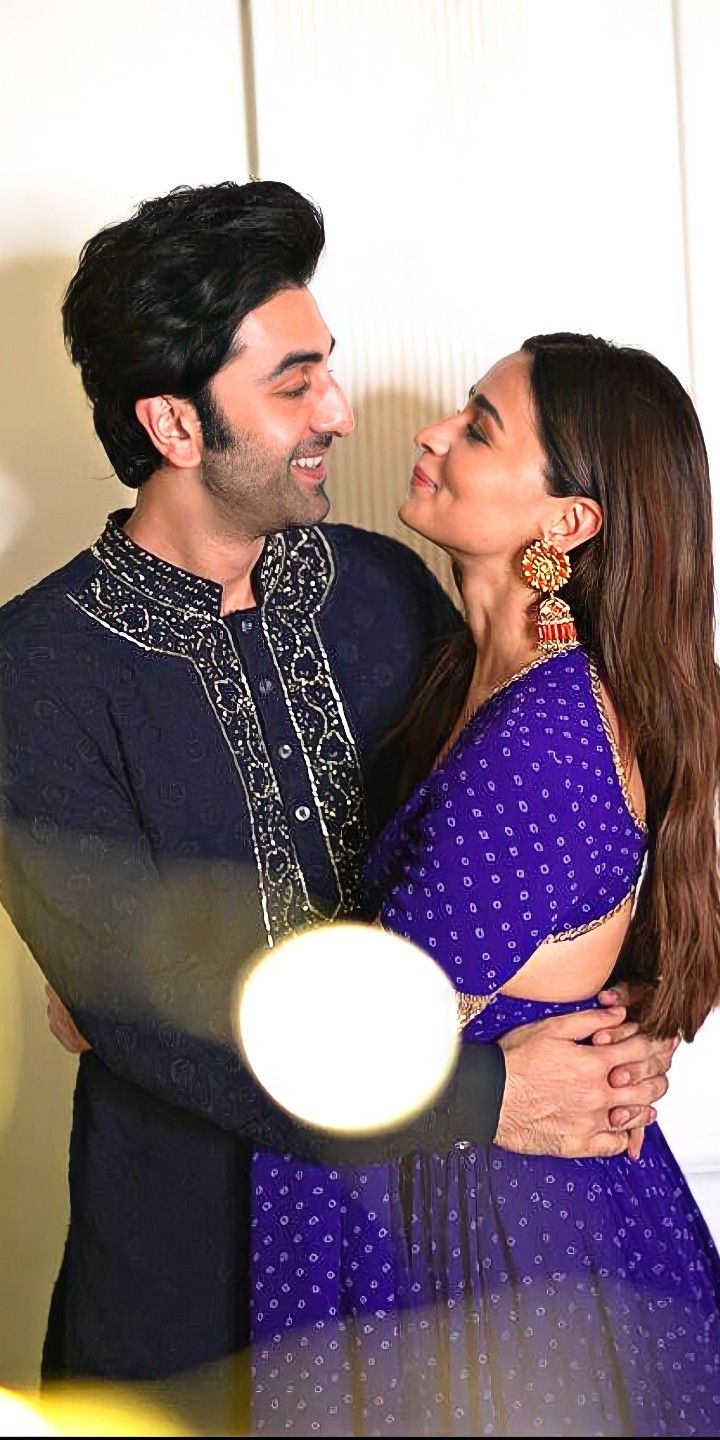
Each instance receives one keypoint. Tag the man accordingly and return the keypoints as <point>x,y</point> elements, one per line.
<point>190,712</point>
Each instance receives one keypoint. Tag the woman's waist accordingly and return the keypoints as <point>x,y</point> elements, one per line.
<point>501,1013</point>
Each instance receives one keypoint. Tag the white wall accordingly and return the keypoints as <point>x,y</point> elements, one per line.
<point>487,168</point>
<point>101,105</point>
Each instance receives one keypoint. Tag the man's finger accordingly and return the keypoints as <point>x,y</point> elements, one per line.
<point>617,995</point>
<point>636,1062</point>
<point>63,1027</point>
<point>623,993</point>
<point>637,1117</point>
<point>638,1049</point>
<point>585,1023</point>
<point>646,1093</point>
<point>616,1034</point>
<point>623,1075</point>
<point>636,1143</point>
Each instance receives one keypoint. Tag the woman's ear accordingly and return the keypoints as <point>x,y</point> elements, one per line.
<point>580,520</point>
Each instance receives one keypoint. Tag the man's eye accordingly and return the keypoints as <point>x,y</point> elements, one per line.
<point>474,434</point>
<point>295,394</point>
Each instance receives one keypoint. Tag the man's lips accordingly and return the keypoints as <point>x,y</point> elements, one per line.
<point>421,481</point>
<point>312,466</point>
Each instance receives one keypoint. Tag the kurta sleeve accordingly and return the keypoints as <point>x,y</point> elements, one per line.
<point>147,957</point>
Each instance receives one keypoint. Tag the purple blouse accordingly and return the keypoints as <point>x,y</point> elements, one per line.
<point>524,833</point>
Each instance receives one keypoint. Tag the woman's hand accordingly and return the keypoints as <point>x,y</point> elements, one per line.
<point>62,1025</point>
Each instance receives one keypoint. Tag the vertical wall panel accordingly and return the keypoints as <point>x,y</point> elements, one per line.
<point>690,1114</point>
<point>488,169</point>
<point>697,36</point>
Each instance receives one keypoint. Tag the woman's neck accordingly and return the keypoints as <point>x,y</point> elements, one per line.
<point>500,616</point>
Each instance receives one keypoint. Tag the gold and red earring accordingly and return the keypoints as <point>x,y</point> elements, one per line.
<point>547,569</point>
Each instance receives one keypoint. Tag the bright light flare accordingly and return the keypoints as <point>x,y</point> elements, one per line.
<point>83,1410</point>
<point>348,1027</point>
<point>19,1417</point>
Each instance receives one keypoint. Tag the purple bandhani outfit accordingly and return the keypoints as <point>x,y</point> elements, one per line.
<point>483,1292</point>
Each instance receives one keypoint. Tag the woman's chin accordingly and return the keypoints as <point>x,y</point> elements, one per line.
<point>415,515</point>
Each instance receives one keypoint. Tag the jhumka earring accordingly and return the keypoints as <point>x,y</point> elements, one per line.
<point>546,568</point>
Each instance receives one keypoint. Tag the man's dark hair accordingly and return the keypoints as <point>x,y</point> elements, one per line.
<point>156,301</point>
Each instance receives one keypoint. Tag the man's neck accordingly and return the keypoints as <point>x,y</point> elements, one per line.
<point>182,526</point>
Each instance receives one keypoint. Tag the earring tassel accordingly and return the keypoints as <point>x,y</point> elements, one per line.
<point>556,627</point>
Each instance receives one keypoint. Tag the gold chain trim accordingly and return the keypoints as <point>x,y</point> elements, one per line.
<point>617,758</point>
<point>526,669</point>
<point>591,924</point>
<point>470,1006</point>
<point>470,715</point>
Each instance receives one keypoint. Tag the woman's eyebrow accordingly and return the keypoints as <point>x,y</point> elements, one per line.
<point>481,401</point>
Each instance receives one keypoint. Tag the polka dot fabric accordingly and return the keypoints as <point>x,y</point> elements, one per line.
<point>482,1292</point>
<point>524,833</point>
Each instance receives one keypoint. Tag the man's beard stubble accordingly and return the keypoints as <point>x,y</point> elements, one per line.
<point>252,488</point>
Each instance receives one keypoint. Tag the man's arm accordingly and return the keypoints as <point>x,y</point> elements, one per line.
<point>146,963</point>
<point>555,1100</point>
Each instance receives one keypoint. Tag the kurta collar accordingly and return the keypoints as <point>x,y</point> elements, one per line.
<point>296,567</point>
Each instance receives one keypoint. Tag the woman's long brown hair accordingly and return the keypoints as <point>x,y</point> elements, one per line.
<point>616,425</point>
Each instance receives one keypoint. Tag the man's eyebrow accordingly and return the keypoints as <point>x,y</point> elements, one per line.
<point>298,357</point>
<point>481,401</point>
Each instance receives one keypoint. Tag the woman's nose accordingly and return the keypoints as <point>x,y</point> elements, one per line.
<point>434,438</point>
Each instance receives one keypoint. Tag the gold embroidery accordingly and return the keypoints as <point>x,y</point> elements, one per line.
<point>591,924</point>
<point>617,758</point>
<point>170,612</point>
<point>470,1006</point>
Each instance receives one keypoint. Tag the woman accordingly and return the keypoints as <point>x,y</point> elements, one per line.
<point>556,752</point>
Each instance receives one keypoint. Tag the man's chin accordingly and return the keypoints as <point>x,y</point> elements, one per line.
<point>313,506</point>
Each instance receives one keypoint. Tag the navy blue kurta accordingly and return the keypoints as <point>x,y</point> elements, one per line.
<point>180,788</point>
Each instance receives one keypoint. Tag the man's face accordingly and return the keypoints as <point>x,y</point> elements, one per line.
<point>279,409</point>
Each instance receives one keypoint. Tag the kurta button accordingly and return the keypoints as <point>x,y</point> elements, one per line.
<point>302,813</point>
<point>265,687</point>
<point>284,751</point>
<point>245,626</point>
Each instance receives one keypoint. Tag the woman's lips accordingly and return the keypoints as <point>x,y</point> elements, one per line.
<point>421,481</point>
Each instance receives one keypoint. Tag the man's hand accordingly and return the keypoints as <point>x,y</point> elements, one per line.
<point>62,1025</point>
<point>559,1094</point>
<point>656,1060</point>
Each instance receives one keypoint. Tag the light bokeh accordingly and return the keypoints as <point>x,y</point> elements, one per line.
<point>82,1410</point>
<point>348,1027</point>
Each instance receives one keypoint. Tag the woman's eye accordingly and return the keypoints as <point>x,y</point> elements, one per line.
<point>295,394</point>
<point>474,434</point>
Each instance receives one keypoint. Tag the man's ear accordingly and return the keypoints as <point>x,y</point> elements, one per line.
<point>580,520</point>
<point>174,428</point>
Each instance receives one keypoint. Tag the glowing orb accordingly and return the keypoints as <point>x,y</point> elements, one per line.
<point>348,1027</point>
<point>19,1417</point>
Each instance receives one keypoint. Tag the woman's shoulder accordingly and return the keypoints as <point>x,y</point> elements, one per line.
<point>550,705</point>
<point>546,735</point>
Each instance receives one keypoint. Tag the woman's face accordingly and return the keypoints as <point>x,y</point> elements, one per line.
<point>478,490</point>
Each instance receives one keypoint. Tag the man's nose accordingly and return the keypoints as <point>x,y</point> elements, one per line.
<point>334,413</point>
